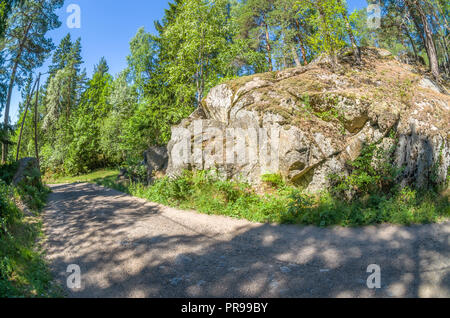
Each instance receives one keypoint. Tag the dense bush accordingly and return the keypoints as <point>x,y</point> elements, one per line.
<point>32,191</point>
<point>405,207</point>
<point>371,173</point>
<point>8,171</point>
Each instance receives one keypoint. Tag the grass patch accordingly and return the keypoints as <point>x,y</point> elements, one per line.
<point>207,193</point>
<point>91,177</point>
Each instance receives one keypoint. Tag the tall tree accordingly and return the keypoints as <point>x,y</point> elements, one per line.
<point>418,8</point>
<point>26,43</point>
<point>84,153</point>
<point>194,41</point>
<point>326,19</point>
<point>289,24</point>
<point>254,23</point>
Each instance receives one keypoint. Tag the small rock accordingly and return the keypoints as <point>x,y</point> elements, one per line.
<point>274,285</point>
<point>183,260</point>
<point>427,83</point>
<point>176,281</point>
<point>221,264</point>
<point>285,269</point>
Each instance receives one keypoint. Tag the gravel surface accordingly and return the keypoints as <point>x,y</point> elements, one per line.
<point>128,247</point>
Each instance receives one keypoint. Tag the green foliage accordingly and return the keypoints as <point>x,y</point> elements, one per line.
<point>370,173</point>
<point>25,44</point>
<point>274,180</point>
<point>8,211</point>
<point>207,192</point>
<point>7,172</point>
<point>326,17</point>
<point>32,191</point>
<point>23,271</point>
<point>404,207</point>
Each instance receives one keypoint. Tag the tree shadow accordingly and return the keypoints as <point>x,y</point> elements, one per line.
<point>127,247</point>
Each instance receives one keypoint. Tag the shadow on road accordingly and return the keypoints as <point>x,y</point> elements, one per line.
<point>127,248</point>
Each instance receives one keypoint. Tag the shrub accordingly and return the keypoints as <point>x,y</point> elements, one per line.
<point>369,174</point>
<point>274,180</point>
<point>32,191</point>
<point>207,192</point>
<point>8,210</point>
<point>8,171</point>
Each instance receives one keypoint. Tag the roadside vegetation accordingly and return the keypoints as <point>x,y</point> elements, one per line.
<point>369,195</point>
<point>208,193</point>
<point>23,270</point>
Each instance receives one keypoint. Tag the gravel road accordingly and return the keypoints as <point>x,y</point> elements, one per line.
<point>127,247</point>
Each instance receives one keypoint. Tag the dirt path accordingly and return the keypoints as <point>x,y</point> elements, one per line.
<point>127,247</point>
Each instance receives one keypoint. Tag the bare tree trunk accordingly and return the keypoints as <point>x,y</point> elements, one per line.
<point>8,104</point>
<point>300,41</point>
<point>296,57</point>
<point>268,47</point>
<point>36,148</point>
<point>426,35</point>
<point>432,54</point>
<point>416,55</point>
<point>10,88</point>
<point>446,57</point>
<point>356,49</point>
<point>24,119</point>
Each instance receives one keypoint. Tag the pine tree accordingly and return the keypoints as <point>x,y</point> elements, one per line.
<point>27,45</point>
<point>254,23</point>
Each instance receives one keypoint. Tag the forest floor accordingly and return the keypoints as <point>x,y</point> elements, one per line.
<point>128,247</point>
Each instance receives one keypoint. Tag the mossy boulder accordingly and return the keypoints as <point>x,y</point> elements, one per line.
<point>316,118</point>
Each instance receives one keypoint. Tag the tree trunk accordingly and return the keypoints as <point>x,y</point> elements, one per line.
<point>356,49</point>
<point>8,104</point>
<point>324,26</point>
<point>268,47</point>
<point>24,119</point>
<point>426,35</point>
<point>416,56</point>
<point>432,54</point>
<point>10,89</point>
<point>296,57</point>
<point>300,41</point>
<point>36,149</point>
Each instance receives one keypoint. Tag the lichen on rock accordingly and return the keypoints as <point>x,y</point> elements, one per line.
<point>305,123</point>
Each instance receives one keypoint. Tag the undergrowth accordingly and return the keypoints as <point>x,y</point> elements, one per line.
<point>206,192</point>
<point>23,270</point>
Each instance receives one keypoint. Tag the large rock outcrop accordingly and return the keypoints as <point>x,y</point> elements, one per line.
<point>307,122</point>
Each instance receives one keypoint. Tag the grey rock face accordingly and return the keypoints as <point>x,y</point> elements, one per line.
<point>306,123</point>
<point>156,159</point>
<point>26,166</point>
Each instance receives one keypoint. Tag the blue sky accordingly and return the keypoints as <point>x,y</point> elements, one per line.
<point>107,27</point>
